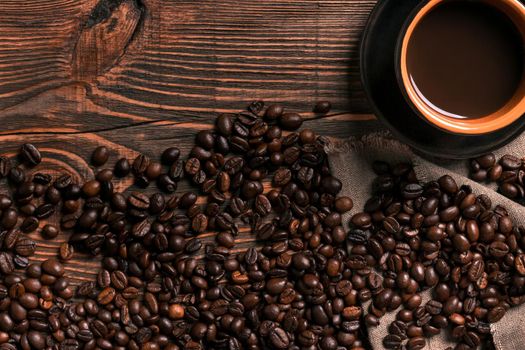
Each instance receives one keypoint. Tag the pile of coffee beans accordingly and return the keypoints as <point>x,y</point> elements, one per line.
<point>441,237</point>
<point>301,283</point>
<point>508,172</point>
<point>161,286</point>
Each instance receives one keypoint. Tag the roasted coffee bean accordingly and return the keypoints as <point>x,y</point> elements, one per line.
<point>153,171</point>
<point>141,228</point>
<point>6,263</point>
<point>106,296</point>
<point>519,264</point>
<point>119,280</point>
<point>434,307</point>
<point>17,175</point>
<point>170,155</point>
<point>392,341</point>
<point>192,166</point>
<point>53,267</point>
<point>139,201</point>
<point>122,167</point>
<point>200,223</point>
<point>25,247</point>
<point>495,314</point>
<point>100,156</point>
<point>44,211</point>
<point>140,164</point>
<point>274,112</point>
<point>5,166</point>
<point>510,162</point>
<point>30,154</point>
<point>29,224</point>
<point>486,161</point>
<point>278,338</point>
<point>66,251</point>
<point>344,204</point>
<point>50,231</point>
<point>322,107</point>
<point>290,121</point>
<point>301,286</point>
<point>224,124</point>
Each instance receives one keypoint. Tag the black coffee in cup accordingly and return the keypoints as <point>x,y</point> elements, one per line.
<point>465,59</point>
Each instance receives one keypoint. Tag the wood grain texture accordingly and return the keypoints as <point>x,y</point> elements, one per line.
<point>142,75</point>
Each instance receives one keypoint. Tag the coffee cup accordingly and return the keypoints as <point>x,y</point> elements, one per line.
<point>460,64</point>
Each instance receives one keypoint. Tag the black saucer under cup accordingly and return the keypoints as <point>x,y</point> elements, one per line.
<point>378,74</point>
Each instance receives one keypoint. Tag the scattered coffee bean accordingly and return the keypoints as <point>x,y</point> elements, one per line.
<point>322,107</point>
<point>439,236</point>
<point>100,156</point>
<point>305,284</point>
<point>508,172</point>
<point>291,121</point>
<point>30,154</point>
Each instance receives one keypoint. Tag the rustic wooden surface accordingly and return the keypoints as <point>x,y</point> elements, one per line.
<point>142,75</point>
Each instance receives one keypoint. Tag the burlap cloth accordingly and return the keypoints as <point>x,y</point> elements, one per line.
<point>351,162</point>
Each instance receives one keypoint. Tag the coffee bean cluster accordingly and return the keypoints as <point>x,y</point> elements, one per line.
<point>441,237</point>
<point>161,286</point>
<point>508,172</point>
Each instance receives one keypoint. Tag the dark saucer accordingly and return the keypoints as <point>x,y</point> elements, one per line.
<point>378,48</point>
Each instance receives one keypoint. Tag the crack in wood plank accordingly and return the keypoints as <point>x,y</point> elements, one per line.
<point>164,121</point>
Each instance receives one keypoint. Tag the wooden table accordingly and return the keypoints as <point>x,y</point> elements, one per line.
<point>142,75</point>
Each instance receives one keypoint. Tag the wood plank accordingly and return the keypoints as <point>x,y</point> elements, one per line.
<point>142,75</point>
<point>161,59</point>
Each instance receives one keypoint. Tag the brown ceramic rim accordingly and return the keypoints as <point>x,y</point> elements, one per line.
<point>505,116</point>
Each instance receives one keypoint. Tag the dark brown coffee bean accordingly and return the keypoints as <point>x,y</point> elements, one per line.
<point>66,251</point>
<point>9,218</point>
<point>392,341</point>
<point>486,161</point>
<point>279,339</point>
<point>49,231</point>
<point>140,164</point>
<point>53,267</point>
<point>6,263</point>
<point>100,156</point>
<point>25,247</point>
<point>322,107</point>
<point>290,121</point>
<point>498,249</point>
<point>509,190</point>
<point>141,228</point>
<point>416,343</point>
<point>510,162</point>
<point>199,223</point>
<point>251,189</point>
<point>122,167</point>
<point>495,314</point>
<point>192,166</point>
<point>461,243</point>
<point>224,124</point>
<point>391,225</point>
<point>434,307</point>
<point>29,224</point>
<point>106,296</point>
<point>262,205</point>
<point>30,154</point>
<point>170,155</point>
<point>5,166</point>
<point>139,201</point>
<point>448,184</point>
<point>17,175</point>
<point>344,204</point>
<point>119,280</point>
<point>519,264</point>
